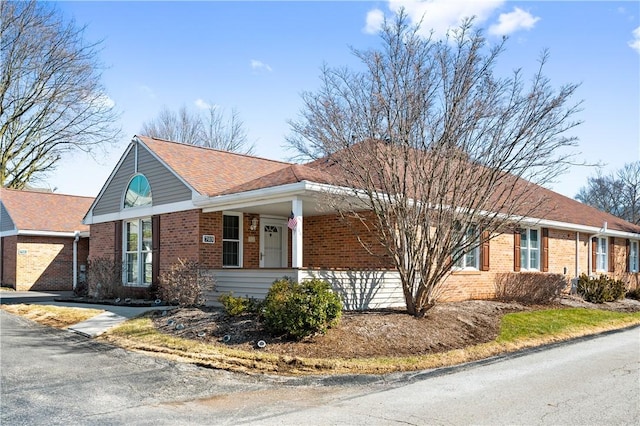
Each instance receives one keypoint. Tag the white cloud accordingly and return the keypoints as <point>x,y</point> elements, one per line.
<point>442,15</point>
<point>635,43</point>
<point>259,65</point>
<point>105,101</point>
<point>375,18</point>
<point>202,104</point>
<point>514,21</point>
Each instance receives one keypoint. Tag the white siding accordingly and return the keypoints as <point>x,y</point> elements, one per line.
<point>358,289</point>
<point>245,282</point>
<point>363,289</point>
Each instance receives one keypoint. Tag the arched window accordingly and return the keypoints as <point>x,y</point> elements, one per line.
<point>138,192</point>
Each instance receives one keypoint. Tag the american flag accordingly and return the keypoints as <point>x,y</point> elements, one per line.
<point>292,221</point>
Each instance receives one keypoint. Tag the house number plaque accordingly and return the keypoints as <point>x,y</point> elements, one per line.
<point>208,239</point>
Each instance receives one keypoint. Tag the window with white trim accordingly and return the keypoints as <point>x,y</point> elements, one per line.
<point>601,254</point>
<point>470,259</point>
<point>138,192</point>
<point>231,238</point>
<point>138,255</point>
<point>633,256</point>
<point>530,249</point>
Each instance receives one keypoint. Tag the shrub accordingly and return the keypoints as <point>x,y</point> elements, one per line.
<point>634,294</point>
<point>104,278</point>
<point>238,305</point>
<point>184,284</point>
<point>601,289</point>
<point>297,310</point>
<point>529,287</point>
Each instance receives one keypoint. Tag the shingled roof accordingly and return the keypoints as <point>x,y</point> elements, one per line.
<point>213,172</point>
<point>210,171</point>
<point>45,211</point>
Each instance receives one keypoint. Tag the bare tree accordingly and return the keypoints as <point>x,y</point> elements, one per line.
<point>211,130</point>
<point>51,100</point>
<point>618,194</point>
<point>228,135</point>
<point>432,152</point>
<point>181,126</point>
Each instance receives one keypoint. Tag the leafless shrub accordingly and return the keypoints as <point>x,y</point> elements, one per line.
<point>104,278</point>
<point>529,287</point>
<point>184,284</point>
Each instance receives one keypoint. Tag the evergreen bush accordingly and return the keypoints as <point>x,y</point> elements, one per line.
<point>297,310</point>
<point>601,289</point>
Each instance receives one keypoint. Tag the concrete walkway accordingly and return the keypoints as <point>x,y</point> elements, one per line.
<point>114,315</point>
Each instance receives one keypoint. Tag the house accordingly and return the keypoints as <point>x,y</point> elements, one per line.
<point>43,242</point>
<point>235,214</point>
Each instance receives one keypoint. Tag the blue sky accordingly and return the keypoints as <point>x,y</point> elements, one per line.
<point>257,57</point>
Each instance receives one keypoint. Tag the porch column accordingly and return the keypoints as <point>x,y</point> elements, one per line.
<point>296,234</point>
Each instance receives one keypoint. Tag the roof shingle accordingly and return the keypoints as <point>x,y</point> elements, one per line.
<point>45,211</point>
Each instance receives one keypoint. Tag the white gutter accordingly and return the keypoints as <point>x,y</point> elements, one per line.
<point>265,195</point>
<point>75,259</point>
<point>83,234</point>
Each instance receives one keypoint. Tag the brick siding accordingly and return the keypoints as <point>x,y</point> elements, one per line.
<point>42,263</point>
<point>330,243</point>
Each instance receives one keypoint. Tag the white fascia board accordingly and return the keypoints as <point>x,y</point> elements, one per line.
<point>106,184</point>
<point>256,197</point>
<point>285,192</point>
<point>582,228</point>
<point>271,195</point>
<point>9,233</point>
<point>566,226</point>
<point>135,212</point>
<point>47,233</point>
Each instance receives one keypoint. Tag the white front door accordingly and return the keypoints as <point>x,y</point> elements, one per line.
<point>273,246</point>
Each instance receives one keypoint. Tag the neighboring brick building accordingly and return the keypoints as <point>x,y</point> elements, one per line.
<point>230,212</point>
<point>40,233</point>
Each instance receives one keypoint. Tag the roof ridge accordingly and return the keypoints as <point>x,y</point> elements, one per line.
<point>206,148</point>
<point>31,191</point>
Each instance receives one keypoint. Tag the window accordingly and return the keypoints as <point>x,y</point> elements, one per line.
<point>530,249</point>
<point>633,256</point>
<point>601,254</point>
<point>138,192</point>
<point>231,253</point>
<point>138,256</point>
<point>469,259</point>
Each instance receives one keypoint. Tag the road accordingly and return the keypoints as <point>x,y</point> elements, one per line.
<point>55,377</point>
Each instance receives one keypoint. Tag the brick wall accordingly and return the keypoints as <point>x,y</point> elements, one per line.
<point>180,238</point>
<point>46,263</point>
<point>102,241</point>
<point>211,254</point>
<point>463,285</point>
<point>251,251</point>
<point>329,242</point>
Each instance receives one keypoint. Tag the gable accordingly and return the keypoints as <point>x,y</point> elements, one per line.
<point>166,188</point>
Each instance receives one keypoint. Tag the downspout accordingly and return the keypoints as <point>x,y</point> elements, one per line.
<point>577,254</point>
<point>75,259</point>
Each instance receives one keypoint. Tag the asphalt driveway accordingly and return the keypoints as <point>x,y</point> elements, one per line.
<point>52,376</point>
